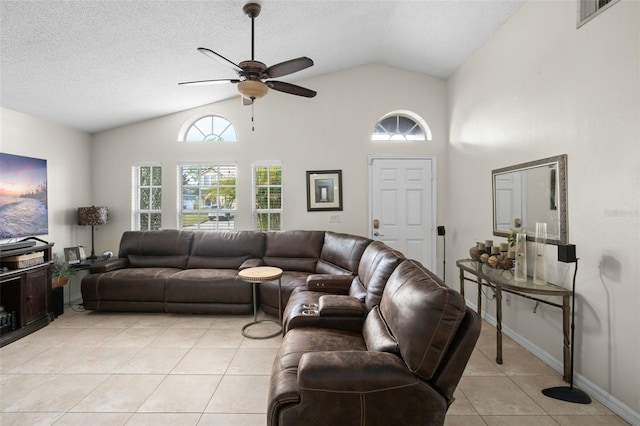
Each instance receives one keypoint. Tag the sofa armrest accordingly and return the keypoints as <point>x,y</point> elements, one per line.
<point>353,371</point>
<point>109,265</point>
<point>338,305</point>
<point>329,283</point>
<point>251,263</point>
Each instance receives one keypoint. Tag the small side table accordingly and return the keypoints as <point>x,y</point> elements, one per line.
<point>256,276</point>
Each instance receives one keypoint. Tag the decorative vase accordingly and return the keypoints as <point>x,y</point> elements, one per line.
<point>474,252</point>
<point>540,244</point>
<point>520,273</point>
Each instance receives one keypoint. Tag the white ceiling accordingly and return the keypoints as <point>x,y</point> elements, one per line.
<point>95,65</point>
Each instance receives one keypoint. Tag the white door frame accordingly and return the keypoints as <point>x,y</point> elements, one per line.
<point>434,198</point>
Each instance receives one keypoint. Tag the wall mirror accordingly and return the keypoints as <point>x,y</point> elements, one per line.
<point>532,192</point>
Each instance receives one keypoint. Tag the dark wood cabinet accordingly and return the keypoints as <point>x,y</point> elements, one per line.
<point>25,293</point>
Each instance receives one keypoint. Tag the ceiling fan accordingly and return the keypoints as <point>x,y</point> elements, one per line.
<point>253,76</point>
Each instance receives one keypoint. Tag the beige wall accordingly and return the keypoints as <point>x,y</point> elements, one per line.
<point>539,88</point>
<point>331,131</point>
<point>68,154</point>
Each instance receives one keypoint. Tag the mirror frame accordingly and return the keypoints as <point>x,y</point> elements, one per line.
<point>561,162</point>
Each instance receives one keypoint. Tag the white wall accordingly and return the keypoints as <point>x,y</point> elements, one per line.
<point>67,152</point>
<point>331,131</point>
<point>541,87</point>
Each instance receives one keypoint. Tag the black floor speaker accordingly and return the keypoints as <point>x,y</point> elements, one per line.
<point>58,301</point>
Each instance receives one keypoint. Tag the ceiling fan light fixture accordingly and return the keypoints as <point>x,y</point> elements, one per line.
<point>251,89</point>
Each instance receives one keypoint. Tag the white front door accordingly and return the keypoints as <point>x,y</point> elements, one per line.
<point>402,213</point>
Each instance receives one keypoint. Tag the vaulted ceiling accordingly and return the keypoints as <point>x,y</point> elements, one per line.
<point>95,65</point>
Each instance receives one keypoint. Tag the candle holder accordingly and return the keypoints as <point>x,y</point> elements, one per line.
<point>539,267</point>
<point>520,273</point>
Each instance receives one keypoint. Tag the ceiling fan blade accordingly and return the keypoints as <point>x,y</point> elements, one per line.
<point>287,67</point>
<point>221,59</point>
<point>203,82</point>
<point>292,89</point>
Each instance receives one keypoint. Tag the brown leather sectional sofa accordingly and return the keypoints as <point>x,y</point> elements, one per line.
<point>372,338</point>
<point>400,368</point>
<point>196,271</point>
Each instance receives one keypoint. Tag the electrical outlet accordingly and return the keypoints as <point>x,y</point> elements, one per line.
<point>335,218</point>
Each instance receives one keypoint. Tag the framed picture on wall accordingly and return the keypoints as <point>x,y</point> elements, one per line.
<point>324,190</point>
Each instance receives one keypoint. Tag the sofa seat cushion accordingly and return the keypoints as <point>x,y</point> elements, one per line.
<point>269,290</point>
<point>131,284</point>
<point>207,286</point>
<point>299,341</point>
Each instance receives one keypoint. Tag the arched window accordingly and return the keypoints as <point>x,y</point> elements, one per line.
<point>401,126</point>
<point>208,128</point>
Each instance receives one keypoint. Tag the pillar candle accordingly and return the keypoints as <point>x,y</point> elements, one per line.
<point>504,246</point>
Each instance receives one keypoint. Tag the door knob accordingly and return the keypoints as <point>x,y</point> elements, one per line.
<point>377,234</point>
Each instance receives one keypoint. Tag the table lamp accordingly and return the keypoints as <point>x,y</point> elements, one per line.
<point>92,216</point>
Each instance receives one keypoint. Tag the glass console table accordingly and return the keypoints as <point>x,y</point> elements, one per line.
<point>502,281</point>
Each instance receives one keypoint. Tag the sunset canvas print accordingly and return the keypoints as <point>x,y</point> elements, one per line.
<point>23,196</point>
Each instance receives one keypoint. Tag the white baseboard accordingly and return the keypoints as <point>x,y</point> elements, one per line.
<point>581,382</point>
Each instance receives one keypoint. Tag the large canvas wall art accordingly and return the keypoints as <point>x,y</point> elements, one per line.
<point>23,196</point>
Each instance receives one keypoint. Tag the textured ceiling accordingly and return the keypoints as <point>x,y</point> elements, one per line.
<point>95,65</point>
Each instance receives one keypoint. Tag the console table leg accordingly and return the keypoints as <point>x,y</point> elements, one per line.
<point>566,330</point>
<point>479,296</point>
<point>498,324</point>
<point>462,282</point>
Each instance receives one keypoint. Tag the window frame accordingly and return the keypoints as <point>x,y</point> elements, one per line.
<point>419,121</point>
<point>225,217</point>
<point>136,186</point>
<point>269,211</point>
<point>584,4</point>
<point>194,119</point>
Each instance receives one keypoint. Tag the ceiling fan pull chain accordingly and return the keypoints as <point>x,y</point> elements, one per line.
<point>253,129</point>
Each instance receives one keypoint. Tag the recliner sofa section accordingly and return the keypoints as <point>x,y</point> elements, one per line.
<point>401,368</point>
<point>343,301</point>
<point>196,271</point>
<point>305,255</point>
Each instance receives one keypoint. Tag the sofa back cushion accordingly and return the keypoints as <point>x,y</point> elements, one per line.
<point>293,250</point>
<point>341,253</point>
<point>224,250</point>
<point>376,265</point>
<point>144,249</point>
<point>420,313</point>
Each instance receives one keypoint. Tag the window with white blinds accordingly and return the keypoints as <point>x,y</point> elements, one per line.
<point>207,196</point>
<point>146,203</point>
<point>267,196</point>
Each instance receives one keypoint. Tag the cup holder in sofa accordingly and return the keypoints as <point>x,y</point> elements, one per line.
<point>310,306</point>
<point>310,312</point>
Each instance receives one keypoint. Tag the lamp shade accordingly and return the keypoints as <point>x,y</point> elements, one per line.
<point>251,89</point>
<point>92,215</point>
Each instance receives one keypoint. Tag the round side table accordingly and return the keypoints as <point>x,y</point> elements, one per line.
<point>256,276</point>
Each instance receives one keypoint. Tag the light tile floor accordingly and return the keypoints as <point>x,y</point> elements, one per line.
<point>164,369</point>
